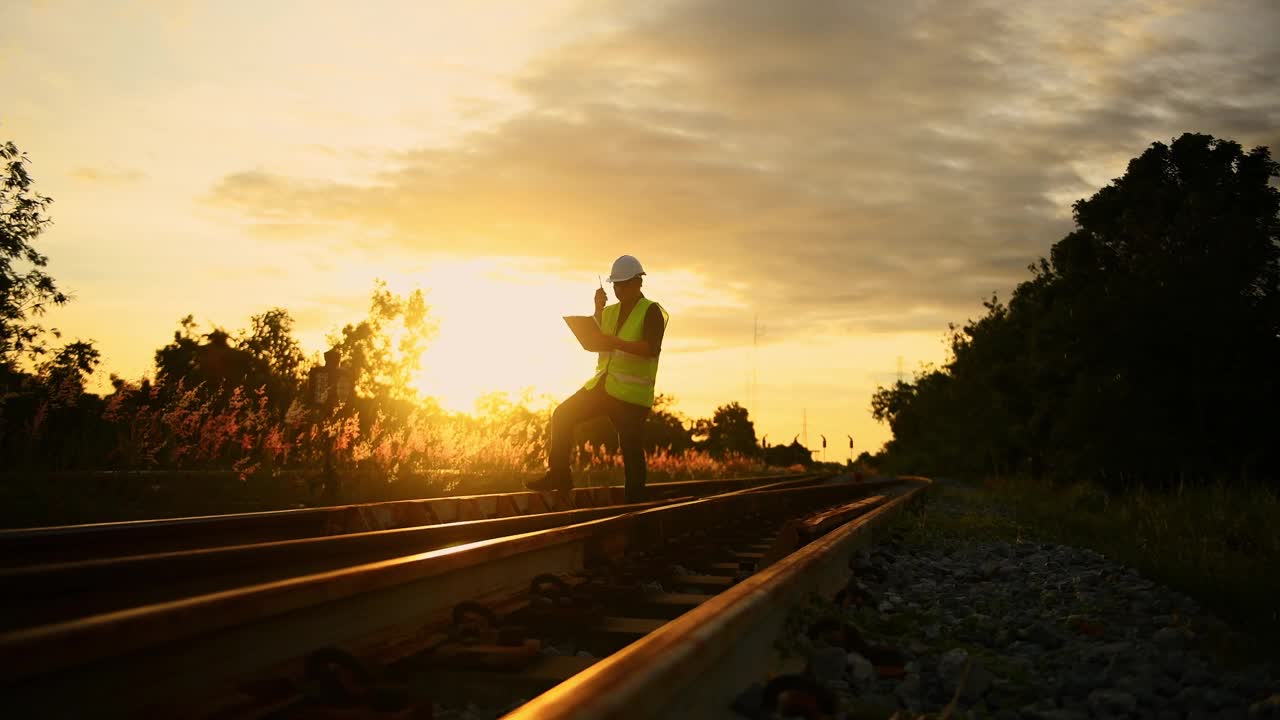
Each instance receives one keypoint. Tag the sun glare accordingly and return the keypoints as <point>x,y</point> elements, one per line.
<point>501,332</point>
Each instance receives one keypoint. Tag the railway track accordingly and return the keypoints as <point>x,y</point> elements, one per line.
<point>72,543</point>
<point>115,572</point>
<point>652,591</point>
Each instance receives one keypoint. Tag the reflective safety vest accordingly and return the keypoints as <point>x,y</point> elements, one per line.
<point>630,378</point>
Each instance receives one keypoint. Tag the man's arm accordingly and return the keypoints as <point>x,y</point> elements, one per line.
<point>600,299</point>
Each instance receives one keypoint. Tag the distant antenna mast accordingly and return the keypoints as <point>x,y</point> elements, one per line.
<point>753,398</point>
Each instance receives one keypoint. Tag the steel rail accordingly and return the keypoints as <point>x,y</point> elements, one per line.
<point>70,543</point>
<point>188,646</point>
<point>698,663</point>
<point>42,594</point>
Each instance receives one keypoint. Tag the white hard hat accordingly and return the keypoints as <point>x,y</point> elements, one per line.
<point>625,268</point>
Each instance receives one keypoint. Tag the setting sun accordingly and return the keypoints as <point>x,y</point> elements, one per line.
<point>500,331</point>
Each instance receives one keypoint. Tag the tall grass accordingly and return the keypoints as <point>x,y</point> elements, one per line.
<point>189,429</point>
<point>185,436</point>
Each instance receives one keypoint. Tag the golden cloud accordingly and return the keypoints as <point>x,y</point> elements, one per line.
<point>852,166</point>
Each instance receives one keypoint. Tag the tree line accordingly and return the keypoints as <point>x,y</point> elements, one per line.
<point>1144,349</point>
<point>247,400</point>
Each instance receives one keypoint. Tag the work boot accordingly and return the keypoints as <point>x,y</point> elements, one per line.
<point>551,481</point>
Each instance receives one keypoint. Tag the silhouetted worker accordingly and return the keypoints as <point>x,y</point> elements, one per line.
<point>622,386</point>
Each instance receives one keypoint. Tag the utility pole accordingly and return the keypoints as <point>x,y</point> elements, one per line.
<point>850,449</point>
<point>752,377</point>
<point>824,447</point>
<point>755,361</point>
<point>804,426</point>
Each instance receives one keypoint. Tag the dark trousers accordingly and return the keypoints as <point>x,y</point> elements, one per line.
<point>627,419</point>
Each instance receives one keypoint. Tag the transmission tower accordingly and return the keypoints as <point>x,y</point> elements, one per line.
<point>755,361</point>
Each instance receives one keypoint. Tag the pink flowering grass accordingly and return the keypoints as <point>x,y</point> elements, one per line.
<point>182,428</point>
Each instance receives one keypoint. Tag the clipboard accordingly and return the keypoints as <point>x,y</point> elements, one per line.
<point>588,333</point>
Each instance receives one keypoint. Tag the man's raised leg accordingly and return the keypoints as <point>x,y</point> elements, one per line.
<point>577,408</point>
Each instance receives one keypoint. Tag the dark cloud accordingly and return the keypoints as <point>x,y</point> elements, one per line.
<point>857,165</point>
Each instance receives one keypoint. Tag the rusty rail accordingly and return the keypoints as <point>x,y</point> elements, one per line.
<point>42,594</point>
<point>130,659</point>
<point>695,665</point>
<point>73,543</point>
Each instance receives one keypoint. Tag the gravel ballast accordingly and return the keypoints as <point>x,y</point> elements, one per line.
<point>1046,632</point>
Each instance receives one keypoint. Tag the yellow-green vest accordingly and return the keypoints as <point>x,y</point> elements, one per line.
<point>630,378</point>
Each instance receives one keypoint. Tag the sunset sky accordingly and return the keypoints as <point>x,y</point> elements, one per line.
<point>855,174</point>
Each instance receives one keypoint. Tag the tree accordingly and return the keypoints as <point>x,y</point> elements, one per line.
<point>385,349</point>
<point>1143,349</point>
<point>666,428</point>
<point>270,342</point>
<point>729,430</point>
<point>26,290</point>
<point>46,418</point>
<point>69,368</point>
<point>788,455</point>
<point>270,339</point>
<point>177,361</point>
<point>1169,289</point>
<point>214,366</point>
